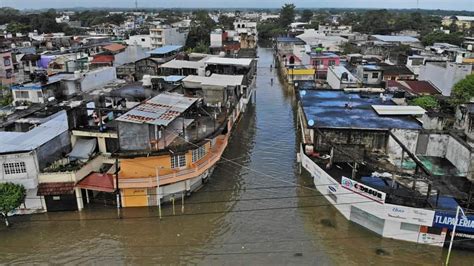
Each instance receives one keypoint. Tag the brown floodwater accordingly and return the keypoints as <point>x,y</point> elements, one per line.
<point>257,210</point>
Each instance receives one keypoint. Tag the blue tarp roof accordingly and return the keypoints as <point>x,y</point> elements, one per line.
<point>166,49</point>
<point>444,202</point>
<point>327,109</point>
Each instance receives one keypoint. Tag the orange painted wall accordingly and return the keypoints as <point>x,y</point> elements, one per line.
<point>135,197</point>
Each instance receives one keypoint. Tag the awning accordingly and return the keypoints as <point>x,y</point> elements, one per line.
<point>54,189</point>
<point>98,182</point>
<point>83,149</point>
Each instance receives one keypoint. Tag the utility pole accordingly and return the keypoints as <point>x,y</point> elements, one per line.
<point>117,190</point>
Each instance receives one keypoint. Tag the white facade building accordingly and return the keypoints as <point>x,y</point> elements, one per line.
<point>167,35</point>
<point>444,75</point>
<point>140,40</point>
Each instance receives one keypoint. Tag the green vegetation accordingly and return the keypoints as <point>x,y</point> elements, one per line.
<point>11,197</point>
<point>463,91</point>
<point>90,18</point>
<point>226,22</point>
<point>455,38</point>
<point>426,102</point>
<point>306,15</point>
<point>273,28</point>
<point>200,31</point>
<point>6,97</point>
<point>287,15</point>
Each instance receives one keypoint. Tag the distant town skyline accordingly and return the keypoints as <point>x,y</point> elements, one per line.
<point>391,4</point>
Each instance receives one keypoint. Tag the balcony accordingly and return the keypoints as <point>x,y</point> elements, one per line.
<point>171,176</point>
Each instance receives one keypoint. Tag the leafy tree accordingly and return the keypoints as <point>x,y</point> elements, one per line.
<point>269,29</point>
<point>306,15</point>
<point>200,30</point>
<point>426,102</point>
<point>11,197</point>
<point>463,91</point>
<point>455,38</point>
<point>226,22</point>
<point>287,15</point>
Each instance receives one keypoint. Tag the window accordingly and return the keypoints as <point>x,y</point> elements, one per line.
<point>178,161</point>
<point>40,94</point>
<point>199,153</point>
<point>7,61</point>
<point>332,62</point>
<point>22,95</point>
<point>410,227</point>
<point>375,75</point>
<point>317,63</point>
<point>14,168</point>
<point>366,76</point>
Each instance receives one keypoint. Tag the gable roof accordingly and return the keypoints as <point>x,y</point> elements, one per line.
<point>114,47</point>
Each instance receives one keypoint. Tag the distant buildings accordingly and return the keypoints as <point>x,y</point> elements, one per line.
<point>462,22</point>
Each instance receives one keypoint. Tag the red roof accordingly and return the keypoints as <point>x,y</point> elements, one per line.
<point>103,59</point>
<point>98,182</point>
<point>114,47</point>
<point>414,86</point>
<point>56,188</point>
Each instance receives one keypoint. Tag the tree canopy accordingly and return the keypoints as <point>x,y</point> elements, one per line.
<point>11,197</point>
<point>200,30</point>
<point>306,15</point>
<point>287,15</point>
<point>455,38</point>
<point>463,91</point>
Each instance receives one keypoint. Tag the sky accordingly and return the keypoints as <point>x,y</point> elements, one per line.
<point>424,4</point>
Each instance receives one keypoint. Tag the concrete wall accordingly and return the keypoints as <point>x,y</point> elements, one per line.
<point>28,179</point>
<point>333,80</point>
<point>140,40</point>
<point>130,55</point>
<point>53,150</point>
<point>459,155</point>
<point>409,138</point>
<point>134,136</point>
<point>444,77</point>
<point>97,78</point>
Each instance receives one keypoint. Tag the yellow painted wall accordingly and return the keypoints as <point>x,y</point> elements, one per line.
<point>146,166</point>
<point>135,197</point>
<point>308,71</point>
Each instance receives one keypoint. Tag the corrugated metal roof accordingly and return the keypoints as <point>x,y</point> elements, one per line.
<point>398,110</point>
<point>179,64</point>
<point>166,49</point>
<point>391,38</point>
<point>20,142</point>
<point>160,110</point>
<point>229,61</point>
<point>214,80</point>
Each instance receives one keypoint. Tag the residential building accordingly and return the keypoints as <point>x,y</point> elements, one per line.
<point>165,35</point>
<point>6,68</point>
<point>412,87</point>
<point>462,22</point>
<point>140,40</point>
<point>397,39</point>
<point>151,65</point>
<point>338,77</point>
<point>371,75</point>
<point>444,75</point>
<point>321,61</point>
<point>396,72</point>
<point>25,154</point>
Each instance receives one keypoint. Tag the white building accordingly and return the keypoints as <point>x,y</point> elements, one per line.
<point>339,78</point>
<point>444,75</point>
<point>140,40</point>
<point>245,26</point>
<point>168,35</point>
<point>24,155</point>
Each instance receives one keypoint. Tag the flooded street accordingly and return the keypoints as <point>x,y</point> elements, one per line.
<point>256,209</point>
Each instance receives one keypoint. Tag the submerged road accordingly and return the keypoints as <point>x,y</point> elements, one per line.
<point>256,209</point>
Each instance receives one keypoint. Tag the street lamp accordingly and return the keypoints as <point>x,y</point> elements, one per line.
<point>456,221</point>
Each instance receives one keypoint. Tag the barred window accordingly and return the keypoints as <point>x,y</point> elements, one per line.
<point>14,168</point>
<point>178,161</point>
<point>199,153</point>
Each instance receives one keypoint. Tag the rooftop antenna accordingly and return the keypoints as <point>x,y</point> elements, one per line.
<point>136,5</point>
<point>417,4</point>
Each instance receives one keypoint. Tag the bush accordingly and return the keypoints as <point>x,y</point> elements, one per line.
<point>426,102</point>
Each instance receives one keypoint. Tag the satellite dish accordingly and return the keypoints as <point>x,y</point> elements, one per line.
<point>311,122</point>
<point>303,93</point>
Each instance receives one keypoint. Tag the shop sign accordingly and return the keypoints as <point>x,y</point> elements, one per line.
<point>363,190</point>
<point>409,215</point>
<point>447,220</point>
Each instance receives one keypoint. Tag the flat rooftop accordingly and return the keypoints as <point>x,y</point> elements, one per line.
<point>327,108</point>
